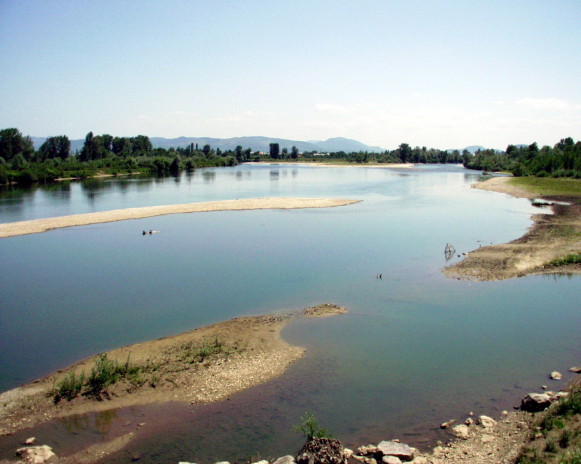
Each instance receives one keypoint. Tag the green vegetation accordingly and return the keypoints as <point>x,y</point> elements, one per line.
<point>310,428</point>
<point>548,185</point>
<point>101,155</point>
<point>198,352</point>
<point>107,372</point>
<point>557,439</point>
<point>573,258</point>
<point>104,373</point>
<point>561,160</point>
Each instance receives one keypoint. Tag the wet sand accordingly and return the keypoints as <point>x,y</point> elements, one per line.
<point>43,225</point>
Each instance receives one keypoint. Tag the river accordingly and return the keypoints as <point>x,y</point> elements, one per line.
<point>415,349</point>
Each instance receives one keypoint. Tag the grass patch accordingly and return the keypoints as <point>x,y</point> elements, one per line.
<point>574,258</point>
<point>104,373</point>
<point>558,436</point>
<point>194,353</point>
<point>548,185</point>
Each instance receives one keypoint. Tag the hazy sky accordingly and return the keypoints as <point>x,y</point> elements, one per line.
<point>443,74</point>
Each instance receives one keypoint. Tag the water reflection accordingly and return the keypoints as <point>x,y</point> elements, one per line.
<point>209,176</point>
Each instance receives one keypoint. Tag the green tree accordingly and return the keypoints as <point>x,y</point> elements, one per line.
<point>90,149</point>
<point>274,150</point>
<point>141,145</point>
<point>294,152</point>
<point>55,147</point>
<point>13,143</point>
<point>405,152</point>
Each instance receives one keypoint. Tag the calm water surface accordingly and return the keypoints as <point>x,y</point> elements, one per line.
<point>414,349</point>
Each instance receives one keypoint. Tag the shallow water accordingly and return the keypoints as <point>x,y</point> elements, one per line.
<point>414,349</point>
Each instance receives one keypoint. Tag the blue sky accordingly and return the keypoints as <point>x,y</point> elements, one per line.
<point>442,74</point>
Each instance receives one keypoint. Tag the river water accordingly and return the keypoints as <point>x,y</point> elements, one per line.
<point>415,349</point>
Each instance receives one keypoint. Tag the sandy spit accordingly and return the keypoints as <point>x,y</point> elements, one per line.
<point>551,236</point>
<point>43,225</point>
<point>258,354</point>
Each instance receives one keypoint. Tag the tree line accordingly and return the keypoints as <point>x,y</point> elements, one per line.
<point>101,154</point>
<point>561,160</point>
<point>106,154</point>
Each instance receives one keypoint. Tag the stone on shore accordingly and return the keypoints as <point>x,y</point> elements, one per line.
<point>556,375</point>
<point>36,454</point>
<point>445,425</point>
<point>288,459</point>
<point>399,450</point>
<point>367,450</point>
<point>321,451</point>
<point>575,370</point>
<point>535,402</point>
<point>390,460</point>
<point>30,441</point>
<point>486,421</point>
<point>461,431</point>
<point>264,461</point>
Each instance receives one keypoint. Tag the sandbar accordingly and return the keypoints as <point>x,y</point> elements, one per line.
<point>551,236</point>
<point>36,226</point>
<point>253,352</point>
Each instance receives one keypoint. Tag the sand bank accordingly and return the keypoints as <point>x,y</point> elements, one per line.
<point>251,352</point>
<point>551,236</point>
<point>42,225</point>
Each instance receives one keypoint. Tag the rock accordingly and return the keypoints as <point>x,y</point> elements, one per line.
<point>504,413</point>
<point>556,375</point>
<point>575,370</point>
<point>558,395</point>
<point>36,454</point>
<point>469,421</point>
<point>347,453</point>
<point>288,459</point>
<point>445,425</point>
<point>222,462</point>
<point>264,461</point>
<point>544,387</point>
<point>486,421</point>
<point>30,441</point>
<point>439,451</point>
<point>358,458</point>
<point>390,460</point>
<point>370,461</point>
<point>535,402</point>
<point>487,438</point>
<point>321,451</point>
<point>400,450</point>
<point>461,431</point>
<point>367,450</point>
<point>420,460</point>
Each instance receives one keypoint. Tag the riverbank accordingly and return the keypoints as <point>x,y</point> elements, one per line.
<point>43,225</point>
<point>552,236</point>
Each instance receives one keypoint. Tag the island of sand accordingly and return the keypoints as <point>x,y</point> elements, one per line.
<point>200,366</point>
<point>43,225</point>
<point>551,236</point>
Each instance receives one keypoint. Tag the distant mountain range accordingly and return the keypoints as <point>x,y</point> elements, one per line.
<point>257,143</point>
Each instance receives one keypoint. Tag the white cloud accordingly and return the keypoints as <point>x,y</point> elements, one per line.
<point>551,104</point>
<point>331,109</point>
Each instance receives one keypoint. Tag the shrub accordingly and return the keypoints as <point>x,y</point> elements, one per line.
<point>310,428</point>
